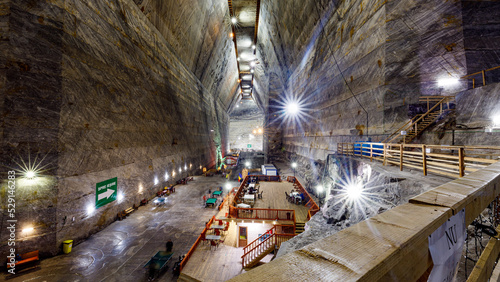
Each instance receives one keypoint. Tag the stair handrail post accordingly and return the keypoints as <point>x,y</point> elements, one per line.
<point>424,160</point>
<point>484,79</point>
<point>427,113</point>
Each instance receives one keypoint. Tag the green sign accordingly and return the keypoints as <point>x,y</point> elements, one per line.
<point>105,192</point>
<point>249,145</point>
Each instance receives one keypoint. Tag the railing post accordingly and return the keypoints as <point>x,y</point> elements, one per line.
<point>484,79</point>
<point>385,153</point>
<point>461,165</point>
<point>371,152</point>
<point>473,83</point>
<point>424,160</point>
<point>401,157</point>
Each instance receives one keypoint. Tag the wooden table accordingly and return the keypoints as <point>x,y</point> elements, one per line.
<point>216,226</point>
<point>211,201</point>
<point>212,237</point>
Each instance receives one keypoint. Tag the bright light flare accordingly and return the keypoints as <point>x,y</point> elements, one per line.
<point>30,174</point>
<point>292,108</point>
<point>360,195</point>
<point>228,186</point>
<point>355,191</point>
<point>234,20</point>
<point>90,209</point>
<point>120,197</point>
<point>248,164</point>
<point>27,229</point>
<point>447,82</point>
<point>259,130</point>
<point>496,120</point>
<point>294,165</point>
<point>319,189</point>
<point>156,181</point>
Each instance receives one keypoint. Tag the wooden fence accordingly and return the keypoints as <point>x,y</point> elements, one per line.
<point>391,246</point>
<point>193,248</point>
<point>313,207</point>
<point>451,161</point>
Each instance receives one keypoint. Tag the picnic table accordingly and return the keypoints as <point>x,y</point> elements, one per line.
<point>157,263</point>
<point>210,201</point>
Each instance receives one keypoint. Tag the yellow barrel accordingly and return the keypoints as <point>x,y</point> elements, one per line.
<point>67,245</point>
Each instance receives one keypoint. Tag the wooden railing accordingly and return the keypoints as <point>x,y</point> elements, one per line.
<point>451,161</point>
<point>261,214</point>
<point>313,207</point>
<point>239,192</point>
<point>483,73</point>
<point>421,121</point>
<point>193,248</point>
<point>224,201</point>
<point>391,246</point>
<point>270,239</point>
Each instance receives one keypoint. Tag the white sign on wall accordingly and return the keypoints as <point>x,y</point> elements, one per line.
<point>445,245</point>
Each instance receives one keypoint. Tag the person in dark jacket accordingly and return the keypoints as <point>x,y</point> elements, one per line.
<point>170,244</point>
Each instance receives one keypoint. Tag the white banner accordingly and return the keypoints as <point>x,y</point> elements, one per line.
<point>445,245</point>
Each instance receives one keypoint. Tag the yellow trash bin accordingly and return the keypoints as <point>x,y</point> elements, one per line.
<point>67,245</point>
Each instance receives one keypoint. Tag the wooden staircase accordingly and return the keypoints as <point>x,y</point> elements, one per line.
<point>262,246</point>
<point>416,125</point>
<point>300,227</point>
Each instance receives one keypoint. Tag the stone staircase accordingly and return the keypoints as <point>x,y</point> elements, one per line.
<point>437,106</point>
<point>299,227</point>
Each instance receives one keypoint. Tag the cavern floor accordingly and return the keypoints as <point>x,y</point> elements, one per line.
<point>119,252</point>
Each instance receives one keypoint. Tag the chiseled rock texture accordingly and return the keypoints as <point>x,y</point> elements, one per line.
<point>101,89</point>
<point>358,66</point>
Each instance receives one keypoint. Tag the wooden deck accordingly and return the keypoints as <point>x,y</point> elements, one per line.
<point>274,197</point>
<point>223,263</point>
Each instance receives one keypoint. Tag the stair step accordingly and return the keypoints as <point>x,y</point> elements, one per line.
<point>259,257</point>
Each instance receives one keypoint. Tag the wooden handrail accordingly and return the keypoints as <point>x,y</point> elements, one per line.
<point>398,130</point>
<point>483,72</point>
<point>440,102</point>
<point>314,207</point>
<point>267,240</point>
<point>193,248</point>
<point>393,245</point>
<point>455,162</point>
<point>480,72</point>
<point>263,236</point>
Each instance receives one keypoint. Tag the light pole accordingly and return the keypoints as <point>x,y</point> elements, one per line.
<point>294,165</point>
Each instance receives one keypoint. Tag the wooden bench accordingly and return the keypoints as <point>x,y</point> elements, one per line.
<point>128,211</point>
<point>121,215</point>
<point>28,260</point>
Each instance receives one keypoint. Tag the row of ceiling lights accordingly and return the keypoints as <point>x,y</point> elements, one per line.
<point>234,21</point>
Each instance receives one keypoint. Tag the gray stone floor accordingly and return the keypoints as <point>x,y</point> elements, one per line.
<point>119,252</point>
